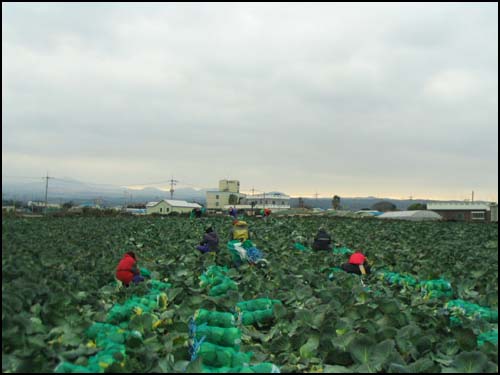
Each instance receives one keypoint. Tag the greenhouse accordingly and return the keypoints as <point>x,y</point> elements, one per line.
<point>411,215</point>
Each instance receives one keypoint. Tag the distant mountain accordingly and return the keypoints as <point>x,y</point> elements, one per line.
<point>62,190</point>
<point>68,189</point>
<point>356,204</point>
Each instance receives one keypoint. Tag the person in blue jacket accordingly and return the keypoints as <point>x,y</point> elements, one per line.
<point>210,242</point>
<point>233,212</point>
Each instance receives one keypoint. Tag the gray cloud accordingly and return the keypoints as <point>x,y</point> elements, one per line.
<point>349,99</point>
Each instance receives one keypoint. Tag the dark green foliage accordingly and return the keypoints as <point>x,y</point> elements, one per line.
<point>384,206</point>
<point>57,277</point>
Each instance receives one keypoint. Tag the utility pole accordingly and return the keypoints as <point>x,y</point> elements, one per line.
<point>46,190</point>
<point>316,196</point>
<point>472,195</point>
<point>253,201</point>
<point>172,183</point>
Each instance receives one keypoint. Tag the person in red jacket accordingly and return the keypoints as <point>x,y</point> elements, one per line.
<point>127,269</point>
<point>358,264</point>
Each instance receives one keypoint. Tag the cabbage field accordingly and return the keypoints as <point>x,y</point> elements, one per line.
<point>62,310</point>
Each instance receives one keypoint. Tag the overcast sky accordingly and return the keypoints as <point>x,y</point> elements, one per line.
<point>351,99</point>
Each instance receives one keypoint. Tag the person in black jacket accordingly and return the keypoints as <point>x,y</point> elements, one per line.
<point>322,241</point>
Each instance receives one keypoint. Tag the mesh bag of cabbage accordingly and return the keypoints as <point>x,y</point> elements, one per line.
<point>228,337</point>
<point>460,308</point>
<point>219,356</point>
<point>214,318</point>
<point>259,316</point>
<point>436,288</point>
<point>257,304</point>
<point>262,368</point>
<point>490,336</point>
<point>222,288</point>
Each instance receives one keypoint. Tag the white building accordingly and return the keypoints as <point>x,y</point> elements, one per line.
<point>275,201</point>
<point>232,186</point>
<point>42,204</point>
<point>228,193</point>
<point>168,206</point>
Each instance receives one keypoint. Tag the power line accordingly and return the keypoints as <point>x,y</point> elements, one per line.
<point>172,183</point>
<point>25,177</point>
<point>90,183</point>
<point>46,190</point>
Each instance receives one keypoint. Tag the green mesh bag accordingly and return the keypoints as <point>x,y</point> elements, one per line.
<point>111,338</point>
<point>213,272</point>
<point>342,250</point>
<point>159,286</point>
<point>398,279</point>
<point>214,318</point>
<point>217,280</point>
<point>107,357</point>
<point>257,304</point>
<point>490,336</point>
<point>219,356</point>
<point>120,313</point>
<point>235,254</point>
<point>223,288</point>
<point>460,308</point>
<point>266,368</point>
<point>106,334</point>
<point>436,288</point>
<point>259,316</point>
<point>145,272</point>
<point>263,368</point>
<point>248,244</point>
<point>299,246</point>
<point>228,337</point>
<point>68,368</point>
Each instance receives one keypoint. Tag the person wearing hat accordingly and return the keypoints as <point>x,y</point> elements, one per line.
<point>357,264</point>
<point>210,242</point>
<point>127,270</point>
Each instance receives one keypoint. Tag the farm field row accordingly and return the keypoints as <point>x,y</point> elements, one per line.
<point>58,275</point>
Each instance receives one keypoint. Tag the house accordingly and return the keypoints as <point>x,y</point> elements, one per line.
<point>168,206</point>
<point>274,200</point>
<point>228,194</point>
<point>42,204</point>
<point>8,208</point>
<point>462,211</point>
<point>34,206</point>
<point>420,215</point>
